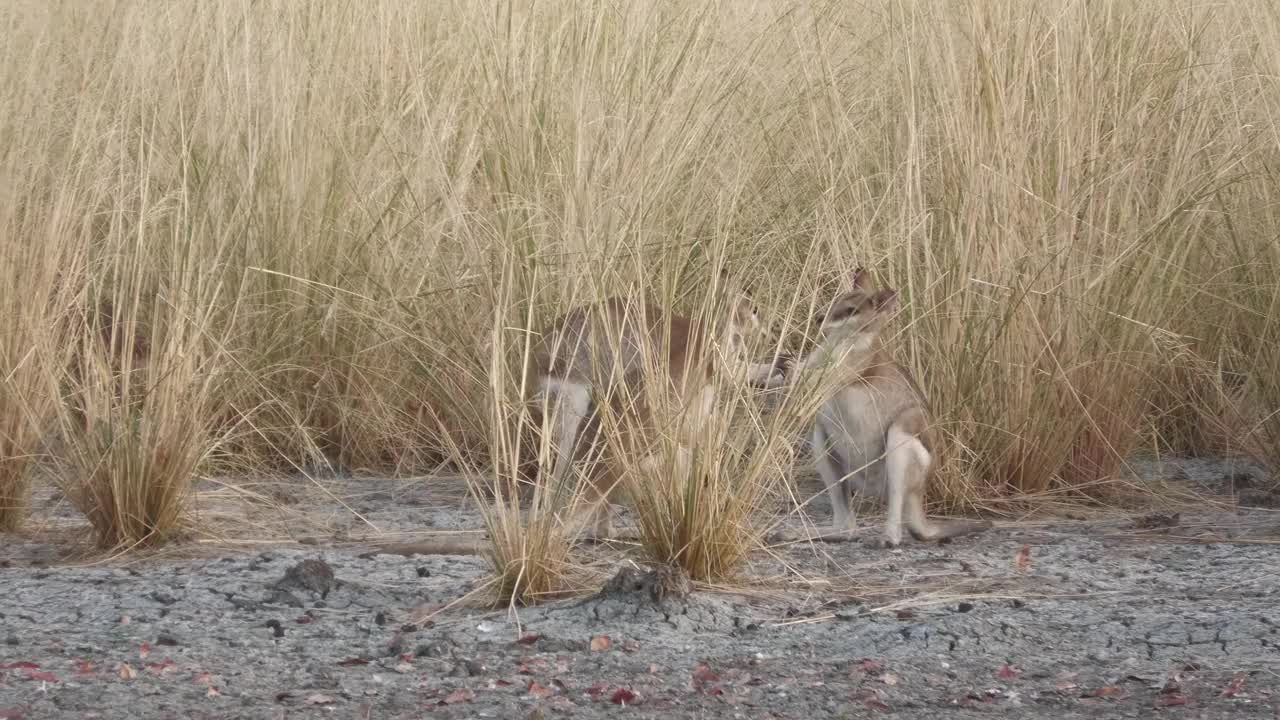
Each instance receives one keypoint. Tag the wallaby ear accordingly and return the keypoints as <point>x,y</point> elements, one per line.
<point>735,283</point>
<point>860,278</point>
<point>730,286</point>
<point>886,300</point>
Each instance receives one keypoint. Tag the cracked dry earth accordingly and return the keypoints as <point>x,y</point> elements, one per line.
<point>1177,616</point>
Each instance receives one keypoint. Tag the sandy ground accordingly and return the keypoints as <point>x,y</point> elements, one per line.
<point>293,612</point>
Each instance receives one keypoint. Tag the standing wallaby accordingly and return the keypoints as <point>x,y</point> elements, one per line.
<point>596,353</point>
<point>873,433</point>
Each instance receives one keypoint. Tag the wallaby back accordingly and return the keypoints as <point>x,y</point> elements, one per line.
<point>603,345</point>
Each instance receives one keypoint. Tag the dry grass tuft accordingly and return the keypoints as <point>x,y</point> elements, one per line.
<point>529,550</point>
<point>704,491</point>
<point>136,426</point>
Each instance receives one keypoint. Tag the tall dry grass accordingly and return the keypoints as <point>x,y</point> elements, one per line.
<point>1067,219</point>
<point>33,343</point>
<point>1077,201</point>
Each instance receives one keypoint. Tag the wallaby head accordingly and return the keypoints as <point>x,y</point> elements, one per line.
<point>859,310</point>
<point>745,326</point>
<point>741,326</point>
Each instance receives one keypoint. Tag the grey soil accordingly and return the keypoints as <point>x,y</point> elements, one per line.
<point>1132,616</point>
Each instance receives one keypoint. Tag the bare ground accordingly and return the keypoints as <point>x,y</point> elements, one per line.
<point>1119,615</point>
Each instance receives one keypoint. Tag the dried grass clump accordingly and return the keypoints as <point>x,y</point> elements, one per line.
<point>135,428</point>
<point>529,549</point>
<point>704,491</point>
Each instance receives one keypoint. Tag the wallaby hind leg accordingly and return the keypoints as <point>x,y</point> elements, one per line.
<point>910,465</point>
<point>599,512</point>
<point>592,518</point>
<point>893,516</point>
<point>906,465</point>
<point>832,472</point>
<point>569,404</point>
<point>917,524</point>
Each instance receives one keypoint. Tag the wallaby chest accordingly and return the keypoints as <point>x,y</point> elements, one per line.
<point>856,419</point>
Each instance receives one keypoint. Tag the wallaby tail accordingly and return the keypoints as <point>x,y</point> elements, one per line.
<point>941,531</point>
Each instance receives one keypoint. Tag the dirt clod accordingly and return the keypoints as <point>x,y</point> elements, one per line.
<point>1155,520</point>
<point>661,584</point>
<point>313,575</point>
<point>1257,498</point>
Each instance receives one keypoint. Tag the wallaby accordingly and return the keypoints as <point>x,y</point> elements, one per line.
<point>873,434</point>
<point>596,353</point>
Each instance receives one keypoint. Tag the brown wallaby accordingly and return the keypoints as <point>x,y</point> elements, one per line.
<point>596,353</point>
<point>873,434</point>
